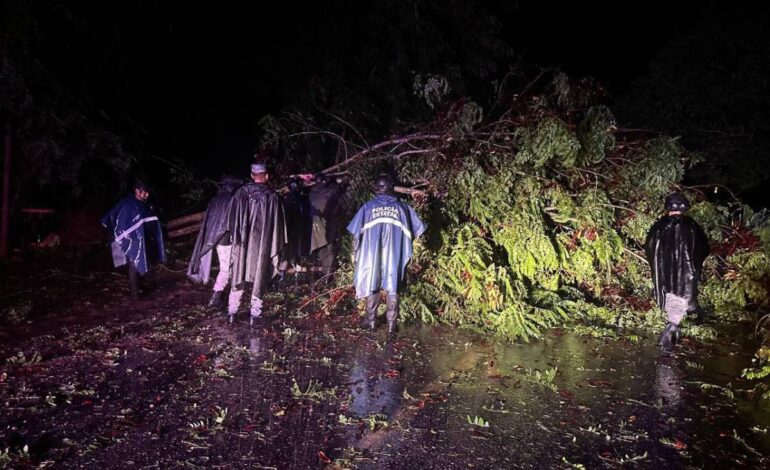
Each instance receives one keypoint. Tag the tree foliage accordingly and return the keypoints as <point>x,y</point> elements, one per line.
<point>537,215</point>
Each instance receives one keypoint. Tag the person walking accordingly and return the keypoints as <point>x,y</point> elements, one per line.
<point>676,248</point>
<point>137,238</point>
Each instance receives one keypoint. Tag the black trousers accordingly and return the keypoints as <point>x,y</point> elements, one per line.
<point>133,281</point>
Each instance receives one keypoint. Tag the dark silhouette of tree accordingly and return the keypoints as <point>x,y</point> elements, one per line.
<point>55,60</point>
<point>710,85</point>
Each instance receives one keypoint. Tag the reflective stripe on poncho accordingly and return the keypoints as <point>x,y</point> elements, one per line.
<point>137,236</point>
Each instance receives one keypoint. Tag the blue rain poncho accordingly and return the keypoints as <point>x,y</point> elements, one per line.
<point>136,232</point>
<point>384,229</point>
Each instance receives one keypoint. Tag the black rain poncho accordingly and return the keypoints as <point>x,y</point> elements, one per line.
<point>213,231</point>
<point>676,248</point>
<point>385,229</point>
<point>258,235</point>
<point>324,200</point>
<point>296,206</point>
<point>137,235</point>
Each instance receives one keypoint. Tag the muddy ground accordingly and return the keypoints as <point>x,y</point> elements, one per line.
<point>91,380</point>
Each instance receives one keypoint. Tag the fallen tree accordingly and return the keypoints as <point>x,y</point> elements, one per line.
<point>538,213</point>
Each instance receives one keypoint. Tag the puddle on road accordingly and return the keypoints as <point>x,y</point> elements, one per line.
<point>310,393</point>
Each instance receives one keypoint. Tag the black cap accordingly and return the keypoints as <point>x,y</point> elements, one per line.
<point>231,181</point>
<point>141,184</point>
<point>676,202</point>
<point>295,184</point>
<point>383,184</point>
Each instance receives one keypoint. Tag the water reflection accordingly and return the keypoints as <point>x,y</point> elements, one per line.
<point>668,381</point>
<point>374,391</point>
<point>255,345</point>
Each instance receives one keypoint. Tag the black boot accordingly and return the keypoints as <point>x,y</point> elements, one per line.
<point>392,313</point>
<point>369,321</point>
<point>216,301</point>
<point>669,337</point>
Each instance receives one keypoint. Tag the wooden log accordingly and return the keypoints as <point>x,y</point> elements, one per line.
<point>184,231</point>
<point>409,191</point>
<point>187,219</point>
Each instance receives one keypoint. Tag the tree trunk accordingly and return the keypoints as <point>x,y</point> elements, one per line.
<point>6,206</point>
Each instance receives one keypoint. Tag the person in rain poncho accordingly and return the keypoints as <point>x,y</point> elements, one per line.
<point>325,197</point>
<point>256,224</point>
<point>137,238</point>
<point>296,205</point>
<point>676,248</point>
<point>384,230</point>
<point>214,236</point>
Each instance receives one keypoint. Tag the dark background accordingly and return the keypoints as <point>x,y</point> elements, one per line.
<point>180,80</point>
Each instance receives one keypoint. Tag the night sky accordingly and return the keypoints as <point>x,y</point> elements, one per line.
<point>198,79</point>
<point>191,81</point>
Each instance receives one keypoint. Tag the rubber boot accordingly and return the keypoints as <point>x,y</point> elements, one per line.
<point>669,337</point>
<point>217,300</point>
<point>392,313</point>
<point>230,317</point>
<point>370,320</point>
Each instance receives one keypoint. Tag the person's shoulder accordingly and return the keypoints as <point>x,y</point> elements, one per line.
<point>691,222</point>
<point>658,225</point>
<point>127,201</point>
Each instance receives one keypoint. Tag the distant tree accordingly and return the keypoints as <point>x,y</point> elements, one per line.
<point>710,86</point>
<point>368,57</point>
<point>65,145</point>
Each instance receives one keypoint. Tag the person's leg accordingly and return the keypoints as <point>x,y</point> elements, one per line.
<point>327,256</point>
<point>282,267</point>
<point>234,301</point>
<point>676,309</point>
<point>223,277</point>
<point>372,301</point>
<point>392,312</point>
<point>133,281</point>
<point>255,310</point>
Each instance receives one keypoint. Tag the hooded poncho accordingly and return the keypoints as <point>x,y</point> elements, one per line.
<point>324,200</point>
<point>213,231</point>
<point>384,229</point>
<point>136,232</point>
<point>258,235</point>
<point>298,224</point>
<point>676,248</point>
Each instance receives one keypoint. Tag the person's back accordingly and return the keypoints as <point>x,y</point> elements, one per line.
<point>296,205</point>
<point>258,235</point>
<point>383,230</point>
<point>325,196</point>
<point>214,236</point>
<point>676,248</point>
